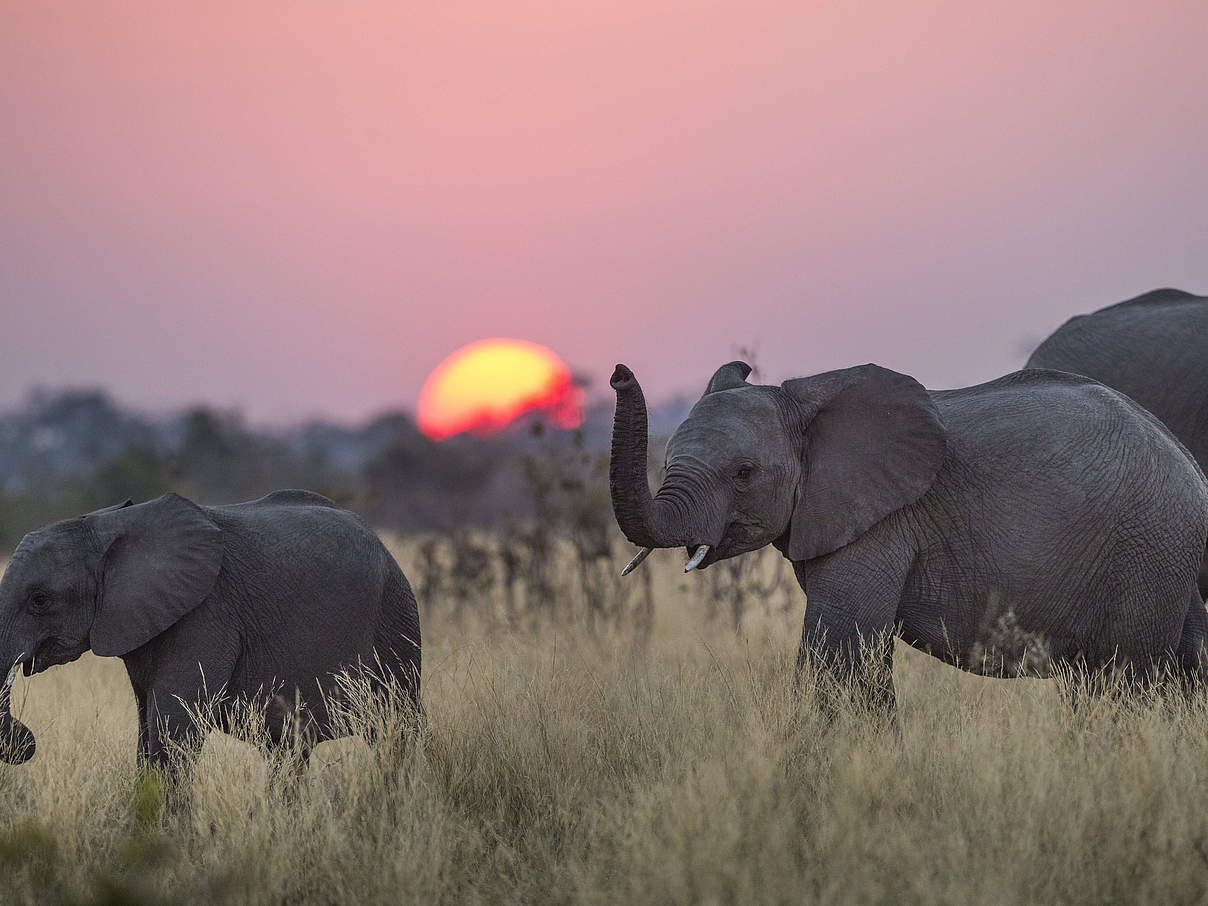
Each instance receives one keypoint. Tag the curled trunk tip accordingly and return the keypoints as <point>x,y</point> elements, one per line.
<point>17,742</point>
<point>622,378</point>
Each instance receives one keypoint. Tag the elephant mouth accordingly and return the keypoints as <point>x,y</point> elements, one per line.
<point>22,665</point>
<point>740,537</point>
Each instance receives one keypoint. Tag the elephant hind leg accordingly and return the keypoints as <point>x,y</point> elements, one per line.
<point>1192,651</point>
<point>287,768</point>
<point>397,672</point>
<point>395,711</point>
<point>291,733</point>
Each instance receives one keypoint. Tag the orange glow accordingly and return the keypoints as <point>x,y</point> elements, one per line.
<point>488,384</point>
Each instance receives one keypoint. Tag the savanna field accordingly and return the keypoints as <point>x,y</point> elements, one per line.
<point>644,754</point>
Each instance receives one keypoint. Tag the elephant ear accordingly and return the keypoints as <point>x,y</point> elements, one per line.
<point>161,560</point>
<point>873,444</point>
<point>728,376</point>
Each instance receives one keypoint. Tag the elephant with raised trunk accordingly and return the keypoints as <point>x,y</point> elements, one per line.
<point>1154,349</point>
<point>931,515</point>
<point>211,606</point>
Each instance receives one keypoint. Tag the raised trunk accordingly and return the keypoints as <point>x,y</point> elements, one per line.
<point>646,521</point>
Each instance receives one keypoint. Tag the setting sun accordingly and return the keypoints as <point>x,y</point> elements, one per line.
<point>486,385</point>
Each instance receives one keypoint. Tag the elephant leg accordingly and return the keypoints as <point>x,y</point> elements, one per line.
<point>849,628</point>
<point>295,772</point>
<point>1203,578</point>
<point>855,671</point>
<point>860,674</point>
<point>143,753</point>
<point>393,710</point>
<point>287,765</point>
<point>403,686</point>
<point>173,738</point>
<point>394,722</point>
<point>397,643</point>
<point>1192,651</point>
<point>1083,686</point>
<point>293,730</point>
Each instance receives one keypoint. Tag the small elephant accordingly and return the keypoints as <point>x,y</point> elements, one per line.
<point>1154,349</point>
<point>1042,499</point>
<point>260,601</point>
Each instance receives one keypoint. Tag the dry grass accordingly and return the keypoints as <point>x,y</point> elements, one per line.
<point>561,767</point>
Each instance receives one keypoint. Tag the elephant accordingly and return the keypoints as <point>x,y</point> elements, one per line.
<point>1042,499</point>
<point>1153,348</point>
<point>256,602</point>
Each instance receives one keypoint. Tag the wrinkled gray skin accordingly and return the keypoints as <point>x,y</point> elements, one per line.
<point>929,514</point>
<point>262,600</point>
<point>1153,348</point>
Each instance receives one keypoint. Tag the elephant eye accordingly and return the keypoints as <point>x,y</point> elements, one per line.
<point>743,473</point>
<point>38,599</point>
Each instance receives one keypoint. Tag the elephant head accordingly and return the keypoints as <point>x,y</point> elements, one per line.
<point>109,581</point>
<point>810,465</point>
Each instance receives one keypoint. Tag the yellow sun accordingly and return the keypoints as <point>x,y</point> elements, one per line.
<point>486,385</point>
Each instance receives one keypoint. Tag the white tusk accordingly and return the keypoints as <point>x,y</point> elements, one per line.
<point>12,674</point>
<point>637,560</point>
<point>696,558</point>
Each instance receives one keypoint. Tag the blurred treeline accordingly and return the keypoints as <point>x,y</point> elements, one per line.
<point>63,453</point>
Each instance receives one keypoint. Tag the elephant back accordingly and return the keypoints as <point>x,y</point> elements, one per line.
<point>1153,349</point>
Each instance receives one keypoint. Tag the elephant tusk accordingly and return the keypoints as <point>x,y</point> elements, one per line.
<point>637,560</point>
<point>12,674</point>
<point>696,558</point>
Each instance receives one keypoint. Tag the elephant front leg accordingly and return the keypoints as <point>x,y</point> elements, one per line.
<point>143,754</point>
<point>849,671</point>
<point>173,741</point>
<point>287,770</point>
<point>848,634</point>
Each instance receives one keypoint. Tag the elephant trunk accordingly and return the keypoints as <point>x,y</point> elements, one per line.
<point>661,521</point>
<point>17,743</point>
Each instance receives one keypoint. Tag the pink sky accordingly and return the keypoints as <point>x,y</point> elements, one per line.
<point>303,207</point>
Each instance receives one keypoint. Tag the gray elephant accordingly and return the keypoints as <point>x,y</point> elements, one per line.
<point>1153,348</point>
<point>1042,497</point>
<point>263,601</point>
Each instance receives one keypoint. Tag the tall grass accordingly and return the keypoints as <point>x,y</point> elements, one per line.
<point>569,762</point>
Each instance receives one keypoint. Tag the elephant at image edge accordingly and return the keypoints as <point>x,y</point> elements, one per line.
<point>1154,349</point>
<point>930,514</point>
<point>263,600</point>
